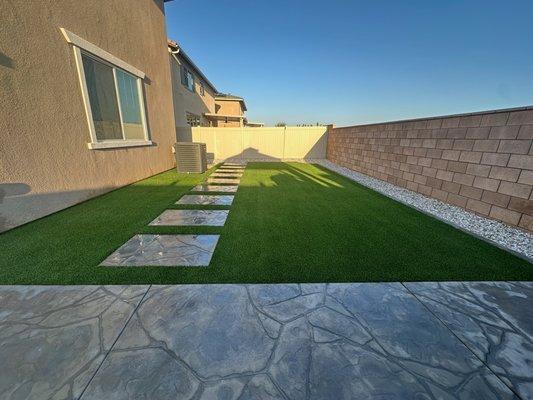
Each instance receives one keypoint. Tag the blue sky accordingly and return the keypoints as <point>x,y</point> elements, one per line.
<point>350,62</point>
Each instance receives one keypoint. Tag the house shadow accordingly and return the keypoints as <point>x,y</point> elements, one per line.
<point>19,206</point>
<point>10,190</point>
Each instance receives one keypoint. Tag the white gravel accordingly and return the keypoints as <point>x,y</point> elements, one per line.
<point>511,239</point>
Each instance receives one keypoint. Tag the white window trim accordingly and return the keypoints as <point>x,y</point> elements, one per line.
<point>80,44</point>
<point>110,144</point>
<point>77,41</point>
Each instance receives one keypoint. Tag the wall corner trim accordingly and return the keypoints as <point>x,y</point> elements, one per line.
<point>83,44</point>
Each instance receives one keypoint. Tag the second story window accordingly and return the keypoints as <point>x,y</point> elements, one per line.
<point>187,78</point>
<point>202,89</point>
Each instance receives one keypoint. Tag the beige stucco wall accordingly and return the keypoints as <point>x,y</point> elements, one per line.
<point>228,107</point>
<point>187,101</point>
<point>232,123</point>
<point>45,164</point>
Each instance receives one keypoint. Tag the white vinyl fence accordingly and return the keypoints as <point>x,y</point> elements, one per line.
<point>283,143</point>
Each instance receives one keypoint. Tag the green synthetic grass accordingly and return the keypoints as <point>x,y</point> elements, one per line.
<point>289,222</point>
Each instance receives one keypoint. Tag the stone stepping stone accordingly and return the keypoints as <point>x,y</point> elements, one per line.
<point>203,199</point>
<point>228,171</point>
<point>191,218</point>
<point>225,176</point>
<point>214,188</point>
<point>222,180</point>
<point>234,164</point>
<point>164,250</point>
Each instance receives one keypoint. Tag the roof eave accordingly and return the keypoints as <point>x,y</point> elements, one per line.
<point>175,46</point>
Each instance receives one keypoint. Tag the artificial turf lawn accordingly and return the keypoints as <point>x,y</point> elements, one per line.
<point>289,222</point>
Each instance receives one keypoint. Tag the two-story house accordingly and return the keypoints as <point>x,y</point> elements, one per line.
<point>229,111</point>
<point>192,93</point>
<point>196,100</point>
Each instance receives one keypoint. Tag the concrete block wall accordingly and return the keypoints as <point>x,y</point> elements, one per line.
<point>482,162</point>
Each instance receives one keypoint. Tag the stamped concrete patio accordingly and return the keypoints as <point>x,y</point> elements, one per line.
<point>288,341</point>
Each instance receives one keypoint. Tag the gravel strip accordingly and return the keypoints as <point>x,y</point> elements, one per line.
<point>508,238</point>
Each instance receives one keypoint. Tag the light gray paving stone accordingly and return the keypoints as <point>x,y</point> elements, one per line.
<point>267,294</point>
<point>224,175</point>
<point>235,170</point>
<point>213,329</point>
<point>223,181</point>
<point>223,341</point>
<point>494,319</point>
<point>238,171</point>
<point>215,188</point>
<point>416,342</point>
<point>203,199</point>
<point>164,250</point>
<point>230,169</point>
<point>258,387</point>
<point>191,218</point>
<point>380,342</point>
<point>227,174</point>
<point>53,338</point>
<point>146,373</point>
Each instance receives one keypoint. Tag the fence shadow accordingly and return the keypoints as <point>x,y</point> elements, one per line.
<point>271,143</point>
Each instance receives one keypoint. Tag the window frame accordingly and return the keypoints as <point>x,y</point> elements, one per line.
<point>184,78</point>
<point>202,88</point>
<point>83,48</point>
<point>189,116</point>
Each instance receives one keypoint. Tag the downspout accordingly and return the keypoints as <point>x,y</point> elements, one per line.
<point>174,52</point>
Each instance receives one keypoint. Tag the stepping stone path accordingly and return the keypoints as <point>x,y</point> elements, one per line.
<point>206,200</point>
<point>224,174</point>
<point>164,250</point>
<point>191,218</point>
<point>224,180</point>
<point>183,250</point>
<point>214,188</point>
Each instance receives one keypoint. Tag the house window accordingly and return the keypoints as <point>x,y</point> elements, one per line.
<point>112,93</point>
<point>202,89</point>
<point>187,78</point>
<point>193,119</point>
<point>114,100</point>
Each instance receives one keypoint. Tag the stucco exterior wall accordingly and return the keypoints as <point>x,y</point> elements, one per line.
<point>45,164</point>
<point>228,107</point>
<point>232,123</point>
<point>187,101</point>
<point>481,161</point>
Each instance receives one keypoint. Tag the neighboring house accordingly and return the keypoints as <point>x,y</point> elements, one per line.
<point>197,101</point>
<point>255,124</point>
<point>193,94</point>
<point>229,111</point>
<point>85,104</point>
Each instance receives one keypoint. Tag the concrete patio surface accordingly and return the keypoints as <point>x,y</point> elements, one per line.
<point>311,341</point>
